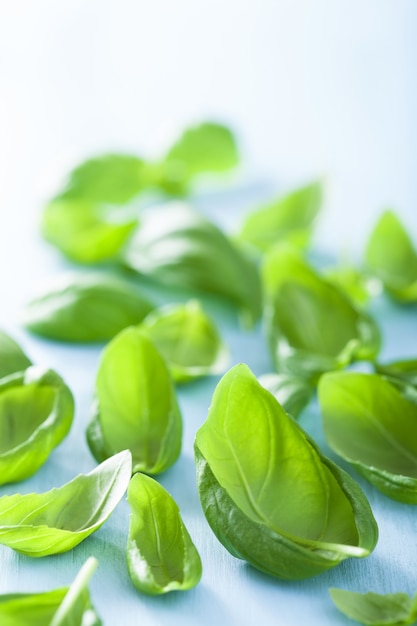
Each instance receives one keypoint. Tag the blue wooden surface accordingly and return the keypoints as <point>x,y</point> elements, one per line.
<point>323,88</point>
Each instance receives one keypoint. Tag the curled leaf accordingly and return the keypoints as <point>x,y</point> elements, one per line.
<point>373,609</point>
<point>12,357</point>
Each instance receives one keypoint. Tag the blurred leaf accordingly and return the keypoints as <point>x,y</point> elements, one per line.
<point>292,393</point>
<point>372,609</point>
<point>12,357</point>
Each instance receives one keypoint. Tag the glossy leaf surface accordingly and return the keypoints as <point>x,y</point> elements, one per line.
<point>312,327</point>
<point>85,231</point>
<point>268,493</point>
<point>136,406</point>
<point>188,340</point>
<point>289,218</point>
<point>292,393</point>
<point>369,423</point>
<point>36,412</point>
<point>392,257</point>
<point>161,556</point>
<point>68,606</point>
<point>177,246</point>
<point>40,524</point>
<point>87,307</point>
<point>12,357</point>
<point>372,609</point>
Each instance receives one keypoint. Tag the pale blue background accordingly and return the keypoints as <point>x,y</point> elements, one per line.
<point>314,88</point>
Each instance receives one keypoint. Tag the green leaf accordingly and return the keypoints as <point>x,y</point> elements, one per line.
<point>187,339</point>
<point>327,332</point>
<point>12,357</point>
<point>372,609</point>
<point>40,524</point>
<point>405,370</point>
<point>161,556</point>
<point>69,606</point>
<point>268,493</point>
<point>292,393</point>
<point>368,422</point>
<point>290,217</point>
<point>355,284</point>
<point>392,257</point>
<point>135,405</point>
<point>86,307</point>
<point>208,147</point>
<point>110,178</point>
<point>178,247</point>
<point>85,231</point>
<point>36,411</point>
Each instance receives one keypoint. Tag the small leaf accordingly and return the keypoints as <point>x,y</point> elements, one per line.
<point>12,357</point>
<point>267,492</point>
<point>290,217</point>
<point>86,307</point>
<point>368,422</point>
<point>292,393</point>
<point>136,406</point>
<point>355,284</point>
<point>405,371</point>
<point>161,556</point>
<point>36,412</point>
<point>40,524</point>
<point>393,259</point>
<point>177,246</point>
<point>187,339</point>
<point>372,609</point>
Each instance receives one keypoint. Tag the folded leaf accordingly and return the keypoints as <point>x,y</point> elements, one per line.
<point>312,327</point>
<point>177,246</point>
<point>392,257</point>
<point>268,494</point>
<point>372,609</point>
<point>12,357</point>
<point>36,411</point>
<point>292,393</point>
<point>161,556</point>
<point>368,422</point>
<point>187,339</point>
<point>40,524</point>
<point>85,231</point>
<point>290,217</point>
<point>86,307</point>
<point>69,606</point>
<point>135,406</point>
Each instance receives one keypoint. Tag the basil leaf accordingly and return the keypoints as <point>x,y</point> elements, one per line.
<point>208,147</point>
<point>290,217</point>
<point>392,257</point>
<point>368,422</point>
<point>12,357</point>
<point>372,609</point>
<point>85,231</point>
<point>355,284</point>
<point>327,332</point>
<point>251,458</point>
<point>135,405</point>
<point>187,339</point>
<point>40,524</point>
<point>161,556</point>
<point>292,393</point>
<point>110,178</point>
<point>405,370</point>
<point>36,411</point>
<point>86,307</point>
<point>178,247</point>
<point>69,606</point>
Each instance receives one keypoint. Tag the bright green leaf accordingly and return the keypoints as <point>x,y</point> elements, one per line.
<point>177,246</point>
<point>86,307</point>
<point>187,339</point>
<point>369,423</point>
<point>161,556</point>
<point>355,284</point>
<point>40,524</point>
<point>12,357</point>
<point>36,411</point>
<point>292,393</point>
<point>405,370</point>
<point>312,327</point>
<point>372,609</point>
<point>392,257</point>
<point>136,406</point>
<point>290,217</point>
<point>268,494</point>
